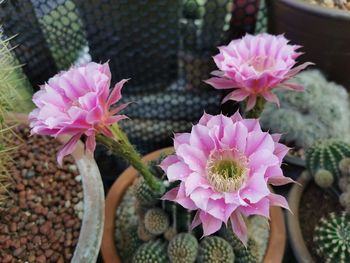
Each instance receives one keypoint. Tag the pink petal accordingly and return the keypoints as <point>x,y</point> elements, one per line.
<point>262,158</point>
<point>68,148</point>
<point>236,117</point>
<point>280,180</point>
<point>210,223</point>
<point>177,171</point>
<point>278,200</point>
<point>236,95</point>
<point>255,188</point>
<point>200,138</point>
<point>171,194</point>
<point>261,208</point>
<point>296,70</point>
<point>196,220</point>
<point>292,86</point>
<point>113,119</point>
<point>251,102</point>
<point>181,138</point>
<point>116,92</point>
<point>259,140</point>
<point>204,119</point>
<point>169,160</point>
<point>220,83</point>
<point>269,96</point>
<point>193,181</point>
<point>195,158</point>
<point>119,108</point>
<point>183,200</point>
<point>95,115</point>
<point>239,226</point>
<point>235,136</point>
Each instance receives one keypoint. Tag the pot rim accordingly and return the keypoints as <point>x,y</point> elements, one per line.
<point>91,230</point>
<point>317,9</point>
<point>277,238</point>
<point>295,235</point>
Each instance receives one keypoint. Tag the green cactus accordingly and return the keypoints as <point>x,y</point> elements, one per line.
<point>151,252</point>
<point>332,237</point>
<point>344,167</point>
<point>324,178</point>
<point>320,112</point>
<point>215,249</point>
<point>259,232</point>
<point>156,221</point>
<point>326,155</point>
<point>231,238</point>
<point>249,254</point>
<point>144,193</point>
<point>183,248</point>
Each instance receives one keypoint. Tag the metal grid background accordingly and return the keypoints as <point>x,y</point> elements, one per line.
<point>164,46</point>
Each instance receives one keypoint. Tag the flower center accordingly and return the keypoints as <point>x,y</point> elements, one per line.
<point>227,170</point>
<point>261,63</point>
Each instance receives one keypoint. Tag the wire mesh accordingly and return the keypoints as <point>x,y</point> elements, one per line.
<point>164,46</point>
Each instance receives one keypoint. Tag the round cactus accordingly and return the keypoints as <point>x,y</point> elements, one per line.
<point>332,237</point>
<point>151,252</point>
<point>144,193</point>
<point>214,249</point>
<point>183,248</point>
<point>344,166</point>
<point>326,155</point>
<point>249,254</point>
<point>156,221</point>
<point>324,178</point>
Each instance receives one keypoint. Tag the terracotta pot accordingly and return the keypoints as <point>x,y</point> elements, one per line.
<point>275,250</point>
<point>88,246</point>
<point>300,250</point>
<point>323,33</point>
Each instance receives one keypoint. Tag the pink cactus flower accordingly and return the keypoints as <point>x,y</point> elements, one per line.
<point>224,167</point>
<point>77,102</point>
<point>254,66</point>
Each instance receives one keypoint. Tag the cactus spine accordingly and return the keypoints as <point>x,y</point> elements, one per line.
<point>326,155</point>
<point>151,252</point>
<point>332,237</point>
<point>215,249</point>
<point>156,221</point>
<point>249,254</point>
<point>183,248</point>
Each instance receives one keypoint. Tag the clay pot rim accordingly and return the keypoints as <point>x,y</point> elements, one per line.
<point>317,9</point>
<point>277,239</point>
<point>295,235</point>
<point>91,230</point>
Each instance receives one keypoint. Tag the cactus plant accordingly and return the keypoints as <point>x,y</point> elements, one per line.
<point>227,233</point>
<point>143,233</point>
<point>215,249</point>
<point>326,155</point>
<point>183,248</point>
<point>249,254</point>
<point>332,237</point>
<point>156,221</point>
<point>144,193</point>
<point>151,252</point>
<point>324,178</point>
<point>321,112</point>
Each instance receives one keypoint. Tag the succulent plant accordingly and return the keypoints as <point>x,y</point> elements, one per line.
<point>231,238</point>
<point>183,248</point>
<point>144,193</point>
<point>321,112</point>
<point>156,221</point>
<point>332,237</point>
<point>324,178</point>
<point>326,155</point>
<point>153,251</point>
<point>259,232</point>
<point>344,166</point>
<point>213,249</point>
<point>143,233</point>
<point>249,254</point>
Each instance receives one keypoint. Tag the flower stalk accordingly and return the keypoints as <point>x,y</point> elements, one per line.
<point>258,108</point>
<point>121,146</point>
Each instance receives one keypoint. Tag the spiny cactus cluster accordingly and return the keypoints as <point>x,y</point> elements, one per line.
<point>323,158</point>
<point>151,230</point>
<point>320,112</point>
<point>344,183</point>
<point>214,249</point>
<point>332,237</point>
<point>15,94</point>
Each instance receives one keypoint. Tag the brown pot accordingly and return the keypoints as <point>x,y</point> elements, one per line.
<point>300,250</point>
<point>88,246</point>
<point>323,32</point>
<point>275,249</point>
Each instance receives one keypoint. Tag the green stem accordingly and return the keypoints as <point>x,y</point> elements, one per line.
<point>121,146</point>
<point>257,110</point>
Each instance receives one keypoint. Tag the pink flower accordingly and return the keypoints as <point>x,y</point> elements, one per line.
<point>77,102</point>
<point>224,167</point>
<point>254,65</point>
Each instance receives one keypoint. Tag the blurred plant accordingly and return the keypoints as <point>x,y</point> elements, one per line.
<point>15,89</point>
<point>321,112</point>
<point>332,237</point>
<point>15,94</point>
